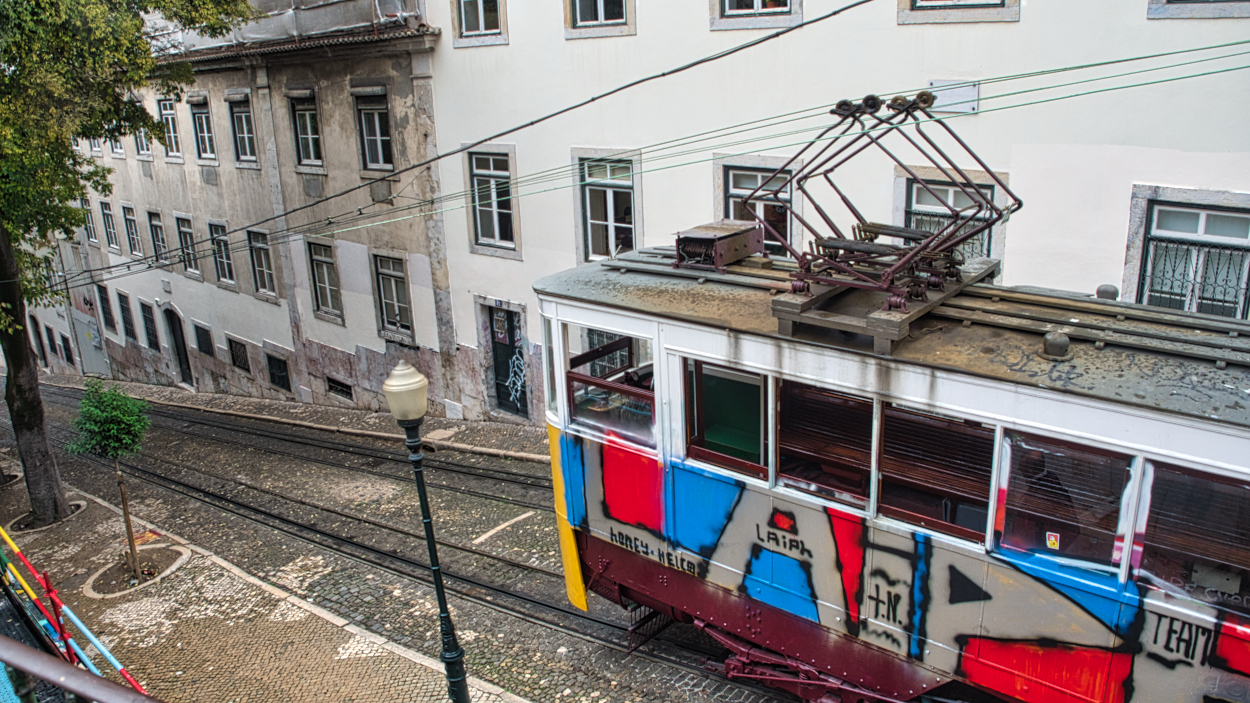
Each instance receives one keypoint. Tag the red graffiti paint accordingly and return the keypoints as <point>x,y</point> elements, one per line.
<point>632,485</point>
<point>1232,647</point>
<point>848,537</point>
<point>1056,673</point>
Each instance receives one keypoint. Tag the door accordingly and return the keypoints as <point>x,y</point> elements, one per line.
<point>90,344</point>
<point>506,346</point>
<point>174,323</point>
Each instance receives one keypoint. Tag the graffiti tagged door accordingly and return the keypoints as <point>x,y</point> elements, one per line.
<point>179,340</point>
<point>509,358</point>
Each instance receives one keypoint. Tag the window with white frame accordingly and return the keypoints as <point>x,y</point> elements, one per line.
<point>592,13</point>
<point>608,202</point>
<point>186,245</point>
<point>492,199</point>
<point>173,145</point>
<point>307,131</point>
<point>205,142</point>
<point>115,146</point>
<point>143,145</point>
<point>1197,260</point>
<point>94,143</point>
<point>393,295</point>
<point>88,222</point>
<point>262,263</point>
<point>747,8</point>
<point>223,260</point>
<point>132,231</point>
<point>244,133</point>
<point>375,132</point>
<point>933,205</point>
<point>110,228</point>
<point>160,251</point>
<point>769,205</point>
<point>478,17</point>
<point>326,293</point>
<point>942,4</point>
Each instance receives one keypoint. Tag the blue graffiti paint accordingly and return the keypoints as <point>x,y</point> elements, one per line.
<point>1097,592</point>
<point>769,568</point>
<point>706,503</point>
<point>920,596</point>
<point>573,455</point>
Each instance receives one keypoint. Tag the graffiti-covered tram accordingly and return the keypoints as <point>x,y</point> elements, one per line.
<point>974,509</point>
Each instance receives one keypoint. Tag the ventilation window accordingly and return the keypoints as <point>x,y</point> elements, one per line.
<point>238,355</point>
<point>204,340</point>
<point>338,388</point>
<point>279,372</point>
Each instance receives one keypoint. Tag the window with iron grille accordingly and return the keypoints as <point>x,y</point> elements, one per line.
<point>393,295</point>
<point>128,320</point>
<point>223,259</point>
<point>160,251</point>
<point>88,223</point>
<point>34,331</point>
<point>1196,260</point>
<point>338,388</point>
<point>149,325</point>
<point>591,13</point>
<point>739,8</point>
<point>69,351</point>
<point>106,308</point>
<point>186,246</point>
<point>244,133</point>
<point>307,131</point>
<point>375,132</point>
<point>279,372</point>
<point>325,280</point>
<point>173,145</point>
<point>930,205</point>
<point>262,264</point>
<point>479,17</point>
<point>205,142</point>
<point>204,340</point>
<point>492,199</point>
<point>767,205</point>
<point>110,228</point>
<point>608,199</point>
<point>238,355</point>
<point>51,340</point>
<point>132,231</point>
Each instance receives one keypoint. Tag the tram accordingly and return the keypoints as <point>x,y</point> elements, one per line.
<point>992,493</point>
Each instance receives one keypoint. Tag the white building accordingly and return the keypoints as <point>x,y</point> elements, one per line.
<point>1106,178</point>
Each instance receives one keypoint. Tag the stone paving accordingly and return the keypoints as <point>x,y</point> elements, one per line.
<point>210,632</point>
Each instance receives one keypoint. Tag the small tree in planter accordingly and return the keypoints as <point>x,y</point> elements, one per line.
<point>112,424</point>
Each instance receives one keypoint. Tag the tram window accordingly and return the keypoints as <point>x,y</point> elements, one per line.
<point>825,440</point>
<point>549,366</point>
<point>725,417</point>
<point>935,471</point>
<point>610,383</point>
<point>1062,498</point>
<point>1197,540</point>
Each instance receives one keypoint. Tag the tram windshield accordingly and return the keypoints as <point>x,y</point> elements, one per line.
<point>610,381</point>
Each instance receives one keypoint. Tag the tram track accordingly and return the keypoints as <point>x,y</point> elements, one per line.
<point>246,430</point>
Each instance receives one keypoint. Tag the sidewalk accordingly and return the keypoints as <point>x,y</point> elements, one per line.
<point>210,632</point>
<point>441,432</point>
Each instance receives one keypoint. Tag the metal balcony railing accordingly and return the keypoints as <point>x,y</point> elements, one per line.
<point>1196,276</point>
<point>978,246</point>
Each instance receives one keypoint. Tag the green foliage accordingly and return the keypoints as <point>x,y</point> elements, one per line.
<point>110,423</point>
<point>71,69</point>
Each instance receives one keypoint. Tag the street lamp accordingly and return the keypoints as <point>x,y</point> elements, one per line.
<point>405,391</point>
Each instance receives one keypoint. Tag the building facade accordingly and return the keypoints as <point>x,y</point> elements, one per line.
<point>1127,176</point>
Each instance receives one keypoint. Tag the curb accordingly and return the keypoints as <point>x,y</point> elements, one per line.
<point>436,443</point>
<point>400,650</point>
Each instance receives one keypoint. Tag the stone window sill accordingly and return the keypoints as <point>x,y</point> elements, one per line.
<point>145,157</point>
<point>492,39</point>
<point>501,252</point>
<point>327,317</point>
<point>226,285</point>
<point>208,162</point>
<point>312,170</point>
<point>1163,10</point>
<point>955,15</point>
<point>250,165</point>
<point>396,337</point>
<point>174,160</point>
<point>374,174</point>
<point>266,297</point>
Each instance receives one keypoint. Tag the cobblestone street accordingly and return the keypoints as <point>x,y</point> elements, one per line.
<point>193,621</point>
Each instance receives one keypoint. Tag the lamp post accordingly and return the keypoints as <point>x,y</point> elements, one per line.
<point>405,391</point>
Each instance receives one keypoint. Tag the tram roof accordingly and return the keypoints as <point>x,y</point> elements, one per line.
<point>1149,357</point>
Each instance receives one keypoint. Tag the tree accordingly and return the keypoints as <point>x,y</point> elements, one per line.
<point>112,425</point>
<point>70,70</point>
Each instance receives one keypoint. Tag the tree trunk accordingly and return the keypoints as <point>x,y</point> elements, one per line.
<point>21,393</point>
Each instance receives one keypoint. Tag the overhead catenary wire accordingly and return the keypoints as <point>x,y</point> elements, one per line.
<point>153,261</point>
<point>703,160</point>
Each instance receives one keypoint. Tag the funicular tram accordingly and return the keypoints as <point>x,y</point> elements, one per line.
<point>908,485</point>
